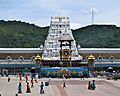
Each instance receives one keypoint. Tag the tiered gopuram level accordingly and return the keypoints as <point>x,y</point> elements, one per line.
<point>58,26</point>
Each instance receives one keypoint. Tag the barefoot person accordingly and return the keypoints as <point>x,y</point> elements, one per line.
<point>20,76</point>
<point>41,88</point>
<point>64,85</point>
<point>28,88</point>
<point>8,79</point>
<point>89,85</point>
<point>93,85</point>
<point>19,88</point>
<point>32,83</point>
<point>26,77</point>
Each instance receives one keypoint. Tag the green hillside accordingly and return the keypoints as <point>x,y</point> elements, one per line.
<point>17,34</point>
<point>98,36</point>
<point>20,34</point>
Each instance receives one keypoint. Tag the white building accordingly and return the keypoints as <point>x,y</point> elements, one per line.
<point>58,27</point>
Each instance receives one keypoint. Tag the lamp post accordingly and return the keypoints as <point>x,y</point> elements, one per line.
<point>38,60</point>
<point>91,59</point>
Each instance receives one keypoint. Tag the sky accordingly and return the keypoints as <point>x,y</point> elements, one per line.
<point>39,12</point>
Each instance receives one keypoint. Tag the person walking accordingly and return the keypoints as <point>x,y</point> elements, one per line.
<point>64,85</point>
<point>20,76</point>
<point>32,83</point>
<point>115,77</point>
<point>41,88</point>
<point>28,88</point>
<point>89,85</point>
<point>8,79</point>
<point>26,77</point>
<point>36,79</point>
<point>93,85</point>
<point>19,88</point>
<point>82,76</point>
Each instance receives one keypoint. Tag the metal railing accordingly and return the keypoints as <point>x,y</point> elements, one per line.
<point>32,61</point>
<point>103,61</point>
<point>17,61</point>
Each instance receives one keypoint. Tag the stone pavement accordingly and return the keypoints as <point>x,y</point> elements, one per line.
<point>75,87</point>
<point>10,88</point>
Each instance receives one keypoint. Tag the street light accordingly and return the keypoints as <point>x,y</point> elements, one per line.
<point>38,60</point>
<point>91,59</point>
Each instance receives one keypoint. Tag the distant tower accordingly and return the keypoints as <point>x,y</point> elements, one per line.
<point>59,25</point>
<point>92,16</point>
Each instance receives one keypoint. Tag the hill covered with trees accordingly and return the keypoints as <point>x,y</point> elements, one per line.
<point>98,36</point>
<point>17,34</point>
<point>20,34</point>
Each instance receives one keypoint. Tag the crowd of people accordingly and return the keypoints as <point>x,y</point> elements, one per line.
<point>91,85</point>
<point>30,81</point>
<point>28,88</point>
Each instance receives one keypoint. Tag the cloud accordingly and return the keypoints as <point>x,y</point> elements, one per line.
<point>40,11</point>
<point>75,25</point>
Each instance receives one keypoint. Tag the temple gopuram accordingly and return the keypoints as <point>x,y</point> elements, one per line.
<point>59,50</point>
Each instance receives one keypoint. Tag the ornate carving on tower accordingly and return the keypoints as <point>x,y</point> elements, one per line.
<point>59,26</point>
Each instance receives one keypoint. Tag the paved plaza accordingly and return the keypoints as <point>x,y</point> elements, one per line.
<point>74,87</point>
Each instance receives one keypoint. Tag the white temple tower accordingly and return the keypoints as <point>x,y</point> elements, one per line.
<point>58,26</point>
